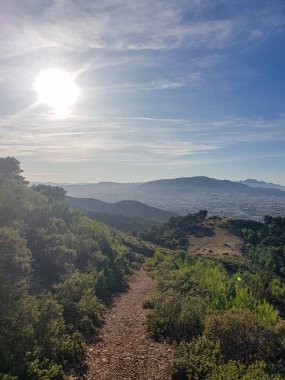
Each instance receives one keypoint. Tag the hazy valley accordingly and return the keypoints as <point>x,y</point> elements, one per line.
<point>189,195</point>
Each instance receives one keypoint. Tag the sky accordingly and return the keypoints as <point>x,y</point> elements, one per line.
<point>168,88</point>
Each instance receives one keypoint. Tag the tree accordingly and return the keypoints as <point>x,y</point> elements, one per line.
<point>202,215</point>
<point>15,259</point>
<point>54,193</point>
<point>10,169</point>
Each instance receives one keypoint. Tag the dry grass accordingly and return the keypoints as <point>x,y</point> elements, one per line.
<point>213,239</point>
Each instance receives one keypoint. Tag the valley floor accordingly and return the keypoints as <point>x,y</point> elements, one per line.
<point>124,351</point>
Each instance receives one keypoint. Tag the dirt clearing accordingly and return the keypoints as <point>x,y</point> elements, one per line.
<point>213,239</point>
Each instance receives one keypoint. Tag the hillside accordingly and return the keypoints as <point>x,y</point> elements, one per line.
<point>215,303</point>
<point>126,208</point>
<point>223,313</point>
<point>126,216</point>
<point>58,271</point>
<point>212,239</point>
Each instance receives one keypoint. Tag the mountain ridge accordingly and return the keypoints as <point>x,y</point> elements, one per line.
<point>128,208</point>
<point>257,183</point>
<point>190,194</point>
<point>193,180</point>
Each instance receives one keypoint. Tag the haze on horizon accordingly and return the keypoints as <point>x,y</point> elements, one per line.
<point>167,89</point>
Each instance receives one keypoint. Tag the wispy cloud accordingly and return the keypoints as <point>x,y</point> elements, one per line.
<point>122,25</point>
<point>167,61</point>
<point>131,139</point>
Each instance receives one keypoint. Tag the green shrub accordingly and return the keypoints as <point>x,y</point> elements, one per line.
<point>45,370</point>
<point>81,307</point>
<point>176,318</point>
<point>244,300</point>
<point>7,377</point>
<point>234,370</point>
<point>161,321</point>
<point>267,314</point>
<point>190,321</point>
<point>196,359</point>
<point>242,337</point>
<point>51,263</point>
<point>90,311</point>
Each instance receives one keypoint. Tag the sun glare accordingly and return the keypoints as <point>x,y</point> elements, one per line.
<point>57,89</point>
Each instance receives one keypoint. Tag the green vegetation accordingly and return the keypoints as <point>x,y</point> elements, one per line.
<point>122,223</point>
<point>265,250</point>
<point>10,169</point>
<point>57,271</point>
<point>223,314</point>
<point>128,216</point>
<point>173,234</point>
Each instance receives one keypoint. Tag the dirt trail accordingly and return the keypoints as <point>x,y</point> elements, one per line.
<point>124,351</point>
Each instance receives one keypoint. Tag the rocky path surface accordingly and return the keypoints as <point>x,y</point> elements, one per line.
<point>124,351</point>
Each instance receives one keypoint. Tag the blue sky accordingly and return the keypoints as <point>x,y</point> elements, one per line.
<point>169,88</point>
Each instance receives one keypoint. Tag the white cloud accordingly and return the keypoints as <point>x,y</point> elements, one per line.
<point>122,36</point>
<point>80,26</point>
<point>117,25</point>
<point>130,139</point>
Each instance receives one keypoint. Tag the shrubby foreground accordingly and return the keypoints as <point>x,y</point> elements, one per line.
<point>223,314</point>
<point>57,271</point>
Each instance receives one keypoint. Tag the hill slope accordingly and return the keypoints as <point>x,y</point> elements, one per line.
<point>126,208</point>
<point>213,239</point>
<point>58,269</point>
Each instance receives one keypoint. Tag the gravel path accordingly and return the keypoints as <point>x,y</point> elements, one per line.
<point>124,351</point>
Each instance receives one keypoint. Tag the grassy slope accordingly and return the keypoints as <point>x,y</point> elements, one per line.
<point>212,238</point>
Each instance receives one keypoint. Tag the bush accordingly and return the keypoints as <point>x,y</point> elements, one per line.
<point>161,321</point>
<point>234,370</point>
<point>196,359</point>
<point>51,260</point>
<point>45,370</point>
<point>190,322</point>
<point>81,307</point>
<point>242,337</point>
<point>176,318</point>
<point>7,377</point>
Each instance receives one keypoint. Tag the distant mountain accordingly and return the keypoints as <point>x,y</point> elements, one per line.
<point>189,184</point>
<point>128,209</point>
<point>115,192</point>
<point>188,195</point>
<point>263,184</point>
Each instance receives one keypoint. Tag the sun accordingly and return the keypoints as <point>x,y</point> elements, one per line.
<point>57,89</point>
